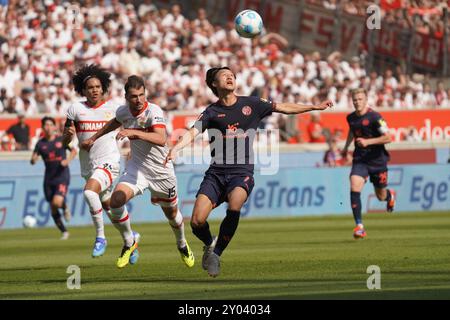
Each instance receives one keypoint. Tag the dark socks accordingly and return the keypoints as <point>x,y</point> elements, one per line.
<point>203,233</point>
<point>227,230</point>
<point>355,200</point>
<point>58,221</point>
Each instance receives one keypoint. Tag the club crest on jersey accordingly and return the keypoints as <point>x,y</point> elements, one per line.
<point>247,110</point>
<point>58,144</point>
<point>365,122</point>
<point>108,115</point>
<point>141,122</point>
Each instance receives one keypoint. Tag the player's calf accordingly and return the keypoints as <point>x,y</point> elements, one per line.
<point>95,207</point>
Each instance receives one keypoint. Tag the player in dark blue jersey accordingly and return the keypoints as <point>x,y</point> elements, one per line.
<point>370,133</point>
<point>57,174</point>
<point>231,123</point>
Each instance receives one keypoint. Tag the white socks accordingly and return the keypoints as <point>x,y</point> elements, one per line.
<point>121,220</point>
<point>95,207</point>
<point>177,225</point>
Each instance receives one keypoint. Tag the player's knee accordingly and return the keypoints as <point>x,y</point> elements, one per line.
<point>118,199</point>
<point>54,207</point>
<point>56,204</point>
<point>196,222</point>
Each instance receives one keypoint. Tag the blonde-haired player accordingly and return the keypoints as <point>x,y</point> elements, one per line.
<point>370,133</point>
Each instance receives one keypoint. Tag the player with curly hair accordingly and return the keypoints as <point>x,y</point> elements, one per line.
<point>101,164</point>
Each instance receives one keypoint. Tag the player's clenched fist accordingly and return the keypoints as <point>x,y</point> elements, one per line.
<point>127,133</point>
<point>324,105</point>
<point>70,130</point>
<point>362,142</point>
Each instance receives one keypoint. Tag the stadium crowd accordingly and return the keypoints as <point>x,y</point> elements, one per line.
<point>43,42</point>
<point>429,13</point>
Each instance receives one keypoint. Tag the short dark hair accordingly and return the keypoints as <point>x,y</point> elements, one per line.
<point>87,72</point>
<point>45,119</point>
<point>211,76</point>
<point>134,82</point>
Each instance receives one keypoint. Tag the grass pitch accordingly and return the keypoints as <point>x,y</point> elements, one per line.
<point>291,258</point>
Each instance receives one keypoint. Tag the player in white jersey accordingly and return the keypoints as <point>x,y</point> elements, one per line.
<point>144,125</point>
<point>101,164</point>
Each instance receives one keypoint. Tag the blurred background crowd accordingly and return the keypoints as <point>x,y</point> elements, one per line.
<point>43,42</point>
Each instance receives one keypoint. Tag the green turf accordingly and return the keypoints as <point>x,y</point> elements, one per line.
<point>291,258</point>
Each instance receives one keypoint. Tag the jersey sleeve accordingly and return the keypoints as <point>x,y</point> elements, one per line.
<point>202,122</point>
<point>157,117</point>
<point>263,107</point>
<point>71,113</point>
<point>380,124</point>
<point>120,114</point>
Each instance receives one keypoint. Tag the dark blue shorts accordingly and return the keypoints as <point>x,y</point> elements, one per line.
<point>52,189</point>
<point>378,174</point>
<point>217,186</point>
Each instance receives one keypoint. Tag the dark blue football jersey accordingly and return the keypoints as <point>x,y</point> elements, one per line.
<point>231,131</point>
<point>53,152</point>
<point>369,125</point>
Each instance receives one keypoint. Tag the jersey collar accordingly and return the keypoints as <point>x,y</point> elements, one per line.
<point>94,107</point>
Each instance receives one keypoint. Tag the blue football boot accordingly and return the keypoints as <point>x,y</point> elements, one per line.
<point>99,247</point>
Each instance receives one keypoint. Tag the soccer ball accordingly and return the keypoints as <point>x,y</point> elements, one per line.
<point>248,24</point>
<point>29,221</point>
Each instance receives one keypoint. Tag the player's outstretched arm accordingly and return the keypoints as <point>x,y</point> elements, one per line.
<point>185,140</point>
<point>158,136</point>
<point>295,108</point>
<point>111,125</point>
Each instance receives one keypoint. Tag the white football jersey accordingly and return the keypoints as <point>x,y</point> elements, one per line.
<point>87,122</point>
<point>143,153</point>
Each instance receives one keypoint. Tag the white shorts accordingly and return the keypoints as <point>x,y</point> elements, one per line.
<point>105,175</point>
<point>163,190</point>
